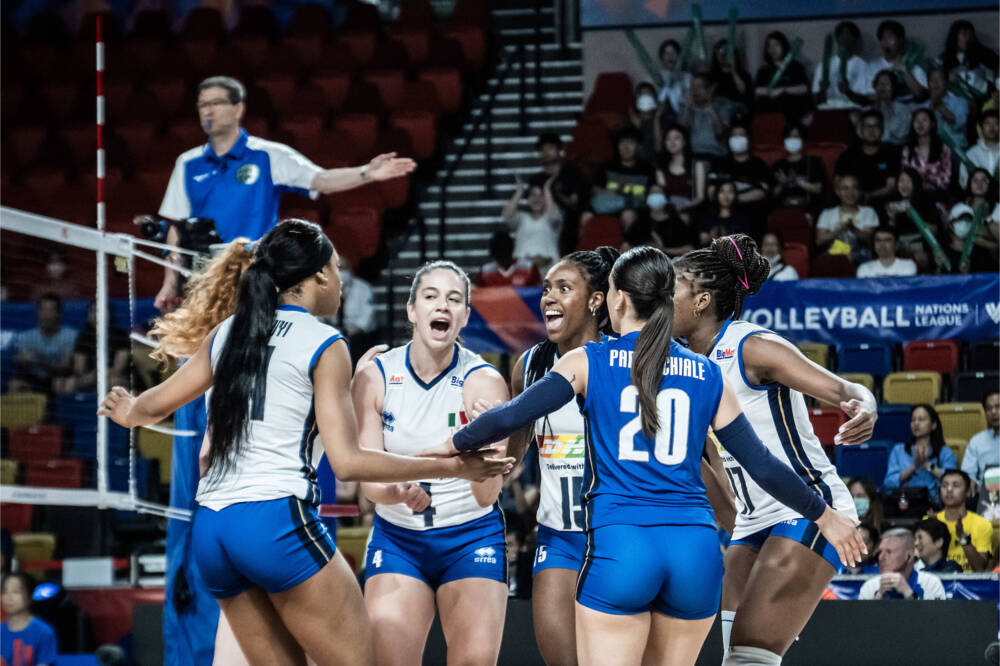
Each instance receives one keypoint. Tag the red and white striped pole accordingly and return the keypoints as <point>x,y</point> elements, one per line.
<point>100,125</point>
<point>102,276</point>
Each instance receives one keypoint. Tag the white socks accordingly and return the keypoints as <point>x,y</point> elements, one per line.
<point>727,630</point>
<point>741,655</point>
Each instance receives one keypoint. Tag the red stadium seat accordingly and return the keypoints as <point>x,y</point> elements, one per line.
<point>253,50</point>
<point>62,96</point>
<point>356,232</point>
<point>174,95</point>
<point>767,128</point>
<point>447,52</point>
<point>16,517</point>
<point>364,98</point>
<point>204,23</point>
<point>470,12</point>
<point>600,230</point>
<point>308,49</point>
<point>792,224</point>
<point>363,130</point>
<point>828,152</point>
<point>310,19</point>
<point>473,42</point>
<point>831,125</point>
<point>612,93</point>
<point>826,422</point>
<point>334,86</point>
<point>258,21</point>
<point>416,42</point>
<point>832,266</point>
<point>769,153</point>
<point>448,83</point>
<point>360,44</point>
<point>36,442</point>
<point>304,131</point>
<point>389,83</point>
<point>187,133</point>
<point>25,140</point>
<point>796,255</point>
<point>591,142</point>
<point>362,16</point>
<point>55,473</point>
<point>422,129</point>
<point>391,54</point>
<point>366,196</point>
<point>937,355</point>
<point>279,88</point>
<point>394,140</point>
<point>395,192</point>
<point>422,96</point>
<point>416,14</point>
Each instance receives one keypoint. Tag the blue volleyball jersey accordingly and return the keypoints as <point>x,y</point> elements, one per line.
<point>629,478</point>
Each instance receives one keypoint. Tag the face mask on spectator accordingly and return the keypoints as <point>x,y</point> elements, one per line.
<point>738,144</point>
<point>793,144</point>
<point>645,103</point>
<point>862,504</point>
<point>656,200</point>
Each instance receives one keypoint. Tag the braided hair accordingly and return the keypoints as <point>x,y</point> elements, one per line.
<point>730,269</point>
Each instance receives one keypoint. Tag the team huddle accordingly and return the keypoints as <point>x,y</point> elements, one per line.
<point>628,567</point>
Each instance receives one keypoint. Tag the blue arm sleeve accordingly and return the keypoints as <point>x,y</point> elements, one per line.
<point>768,472</point>
<point>543,397</point>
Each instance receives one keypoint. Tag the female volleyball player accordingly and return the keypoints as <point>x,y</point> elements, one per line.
<point>438,543</point>
<point>285,379</point>
<point>772,584</point>
<point>652,576</point>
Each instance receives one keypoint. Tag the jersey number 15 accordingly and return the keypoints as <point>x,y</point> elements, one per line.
<point>674,409</point>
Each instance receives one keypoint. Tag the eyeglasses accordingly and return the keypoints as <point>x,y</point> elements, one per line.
<point>210,103</point>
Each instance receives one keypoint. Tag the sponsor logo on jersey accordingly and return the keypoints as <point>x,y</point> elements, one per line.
<point>723,354</point>
<point>485,555</point>
<point>388,419</point>
<point>395,380</point>
<point>457,382</point>
<point>456,419</point>
<point>561,446</point>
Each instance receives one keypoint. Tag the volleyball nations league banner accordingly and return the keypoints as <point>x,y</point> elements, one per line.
<point>958,307</point>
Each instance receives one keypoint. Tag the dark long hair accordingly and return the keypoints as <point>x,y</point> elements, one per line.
<point>291,252</point>
<point>647,276</point>
<point>991,189</point>
<point>976,54</point>
<point>937,434</point>
<point>779,37</point>
<point>729,269</point>
<point>594,266</point>
<point>934,154</point>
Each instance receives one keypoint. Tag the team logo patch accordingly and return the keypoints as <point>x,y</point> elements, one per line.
<point>485,555</point>
<point>722,354</point>
<point>388,421</point>
<point>395,380</point>
<point>248,174</point>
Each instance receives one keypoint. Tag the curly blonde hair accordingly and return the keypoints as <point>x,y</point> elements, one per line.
<point>210,297</point>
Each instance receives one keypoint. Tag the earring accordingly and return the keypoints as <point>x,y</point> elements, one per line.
<point>593,312</point>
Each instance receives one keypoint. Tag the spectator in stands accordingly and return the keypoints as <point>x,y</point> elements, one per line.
<point>933,540</point>
<point>874,162</point>
<point>245,202</point>
<point>983,450</point>
<point>731,81</point>
<point>867,501</point>
<point>986,152</point>
<point>682,178</point>
<point>869,565</point>
<point>981,194</point>
<point>749,173</point>
<point>567,188</point>
<point>921,461</point>
<point>6,550</point>
<point>886,263</point>
<point>799,179</point>
<point>725,217</point>
<point>673,232</point>
<point>971,534</point>
<point>909,193</point>
<point>790,94</point>
<point>846,227</point>
<point>892,40</point>
<point>57,280</point>
<point>503,269</point>
<point>895,114</point>
<point>676,82</point>
<point>706,118</point>
<point>621,186</point>
<point>643,116</point>
<point>770,249</point>
<point>83,377</point>
<point>965,57</point>
<point>897,578</point>
<point>926,153</point>
<point>24,638</point>
<point>836,93</point>
<point>950,110</point>
<point>43,353</point>
<point>536,230</point>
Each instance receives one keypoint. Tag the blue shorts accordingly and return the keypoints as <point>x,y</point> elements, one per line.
<point>559,550</point>
<point>475,549</point>
<point>275,545</point>
<point>675,570</point>
<point>800,530</point>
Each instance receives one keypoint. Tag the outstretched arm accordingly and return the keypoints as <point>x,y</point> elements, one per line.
<point>382,167</point>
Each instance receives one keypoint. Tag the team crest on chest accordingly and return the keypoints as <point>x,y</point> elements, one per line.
<point>248,174</point>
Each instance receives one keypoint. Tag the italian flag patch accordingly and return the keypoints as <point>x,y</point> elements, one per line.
<point>457,419</point>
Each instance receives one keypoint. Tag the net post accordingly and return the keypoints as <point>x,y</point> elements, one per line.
<point>102,274</point>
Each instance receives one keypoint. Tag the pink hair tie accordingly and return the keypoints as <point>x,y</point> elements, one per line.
<point>745,281</point>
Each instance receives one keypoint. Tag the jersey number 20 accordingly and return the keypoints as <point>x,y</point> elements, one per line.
<point>674,409</point>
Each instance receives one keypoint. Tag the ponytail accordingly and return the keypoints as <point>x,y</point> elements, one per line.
<point>647,276</point>
<point>290,253</point>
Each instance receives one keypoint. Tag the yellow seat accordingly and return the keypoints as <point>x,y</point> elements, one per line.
<point>862,378</point>
<point>816,352</point>
<point>962,420</point>
<point>911,388</point>
<point>353,541</point>
<point>34,546</point>
<point>20,409</point>
<point>158,446</point>
<point>8,472</point>
<point>958,447</point>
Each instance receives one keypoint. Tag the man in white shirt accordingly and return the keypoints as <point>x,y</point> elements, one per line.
<point>849,223</point>
<point>983,450</point>
<point>986,152</point>
<point>853,92</point>
<point>886,263</point>
<point>892,39</point>
<point>897,578</point>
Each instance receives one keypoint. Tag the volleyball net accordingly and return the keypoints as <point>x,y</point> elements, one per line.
<point>77,303</point>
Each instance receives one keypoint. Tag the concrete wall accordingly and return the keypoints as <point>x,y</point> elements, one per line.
<point>610,51</point>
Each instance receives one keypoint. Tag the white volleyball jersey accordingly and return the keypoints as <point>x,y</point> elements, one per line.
<point>780,418</point>
<point>279,456</point>
<point>560,439</point>
<point>417,415</point>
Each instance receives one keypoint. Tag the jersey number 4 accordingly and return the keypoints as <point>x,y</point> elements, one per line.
<point>674,409</point>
